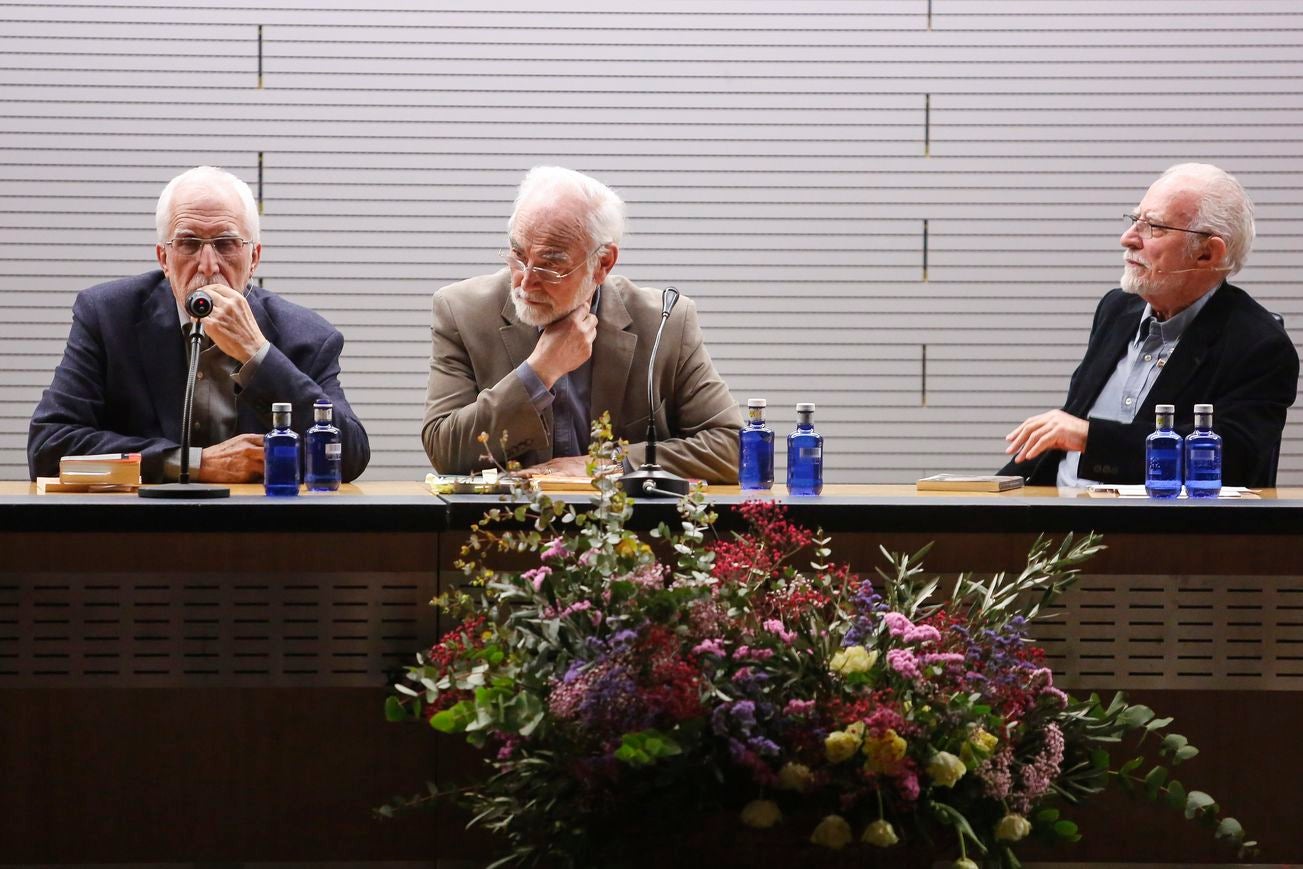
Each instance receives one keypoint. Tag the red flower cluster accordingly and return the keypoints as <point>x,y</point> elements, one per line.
<point>770,540</point>
<point>673,686</point>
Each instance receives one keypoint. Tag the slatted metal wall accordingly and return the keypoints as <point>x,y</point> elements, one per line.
<point>904,211</point>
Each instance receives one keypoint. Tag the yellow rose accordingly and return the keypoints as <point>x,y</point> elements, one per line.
<point>833,832</point>
<point>984,741</point>
<point>856,729</point>
<point>840,745</point>
<point>880,833</point>
<point>945,769</point>
<point>884,752</point>
<point>795,777</point>
<point>761,814</point>
<point>1012,828</point>
<point>853,659</point>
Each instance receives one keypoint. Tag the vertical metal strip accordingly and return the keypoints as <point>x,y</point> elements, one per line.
<point>925,250</point>
<point>923,379</point>
<point>927,125</point>
<point>259,57</point>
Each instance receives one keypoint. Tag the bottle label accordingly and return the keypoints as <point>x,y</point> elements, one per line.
<point>810,452</point>
<point>334,451</point>
<point>1203,456</point>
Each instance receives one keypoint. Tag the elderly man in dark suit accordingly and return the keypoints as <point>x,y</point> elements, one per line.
<point>120,385</point>
<point>1175,333</point>
<point>553,340</point>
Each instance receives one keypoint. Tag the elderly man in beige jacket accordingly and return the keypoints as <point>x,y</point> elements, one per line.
<point>549,343</point>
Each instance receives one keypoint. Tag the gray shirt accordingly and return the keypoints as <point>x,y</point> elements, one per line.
<point>570,399</point>
<point>214,413</point>
<point>1134,376</point>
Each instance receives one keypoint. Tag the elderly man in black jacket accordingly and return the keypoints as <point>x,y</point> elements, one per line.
<point>1175,333</point>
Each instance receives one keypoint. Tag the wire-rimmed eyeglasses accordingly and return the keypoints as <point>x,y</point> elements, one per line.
<point>226,246</point>
<point>1146,227</point>
<point>547,276</point>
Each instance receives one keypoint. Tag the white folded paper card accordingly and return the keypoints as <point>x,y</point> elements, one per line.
<point>1137,490</point>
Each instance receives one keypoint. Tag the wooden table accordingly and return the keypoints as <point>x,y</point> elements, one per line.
<point>202,681</point>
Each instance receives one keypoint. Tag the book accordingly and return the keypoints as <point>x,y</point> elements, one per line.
<point>968,483</point>
<point>105,469</point>
<point>52,485</point>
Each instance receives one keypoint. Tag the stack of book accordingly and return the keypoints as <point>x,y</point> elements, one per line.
<point>107,472</point>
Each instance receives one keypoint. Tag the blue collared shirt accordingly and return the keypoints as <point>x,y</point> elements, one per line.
<point>570,399</point>
<point>1134,376</point>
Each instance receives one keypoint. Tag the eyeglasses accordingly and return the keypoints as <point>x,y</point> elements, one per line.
<point>1147,228</point>
<point>226,246</point>
<point>547,276</point>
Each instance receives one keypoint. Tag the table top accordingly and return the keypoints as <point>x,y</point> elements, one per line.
<point>410,506</point>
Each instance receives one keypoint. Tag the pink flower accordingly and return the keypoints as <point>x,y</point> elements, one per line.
<point>907,784</point>
<point>896,624</point>
<point>576,607</point>
<point>710,647</point>
<point>903,662</point>
<point>536,576</point>
<point>776,627</point>
<point>555,549</point>
<point>922,634</point>
<point>798,707</point>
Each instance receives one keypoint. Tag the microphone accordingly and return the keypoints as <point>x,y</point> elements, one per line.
<point>1183,271</point>
<point>651,478</point>
<point>198,304</point>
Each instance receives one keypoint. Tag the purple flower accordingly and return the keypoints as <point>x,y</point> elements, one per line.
<point>710,647</point>
<point>555,549</point>
<point>903,662</point>
<point>776,627</point>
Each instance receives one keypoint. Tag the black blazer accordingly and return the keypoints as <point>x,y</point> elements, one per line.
<point>1234,356</point>
<point>121,383</point>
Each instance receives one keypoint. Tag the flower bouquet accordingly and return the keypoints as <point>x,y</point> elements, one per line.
<point>622,690</point>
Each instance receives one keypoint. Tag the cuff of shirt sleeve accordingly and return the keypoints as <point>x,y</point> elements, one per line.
<point>246,372</point>
<point>172,463</point>
<point>539,395</point>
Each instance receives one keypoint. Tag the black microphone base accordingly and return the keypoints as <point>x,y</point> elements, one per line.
<point>653,481</point>
<point>198,491</point>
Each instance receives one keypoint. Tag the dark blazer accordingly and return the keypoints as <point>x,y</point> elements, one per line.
<point>121,383</point>
<point>1234,356</point>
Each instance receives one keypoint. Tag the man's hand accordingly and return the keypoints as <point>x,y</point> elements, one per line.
<point>231,324</point>
<point>238,460</point>
<point>1052,430</point>
<point>567,466</point>
<point>564,345</point>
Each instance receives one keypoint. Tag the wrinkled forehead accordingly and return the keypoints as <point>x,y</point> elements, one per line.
<point>206,207</point>
<point>1171,199</point>
<point>557,225</point>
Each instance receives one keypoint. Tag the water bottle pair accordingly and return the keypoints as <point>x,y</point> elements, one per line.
<point>322,452</point>
<point>1171,459</point>
<point>804,451</point>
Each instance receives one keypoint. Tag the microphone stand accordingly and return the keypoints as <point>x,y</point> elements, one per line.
<point>198,305</point>
<point>651,479</point>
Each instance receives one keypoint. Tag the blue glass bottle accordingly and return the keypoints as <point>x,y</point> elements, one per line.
<point>322,451</point>
<point>280,453</point>
<point>756,449</point>
<point>1203,456</point>
<point>804,454</point>
<point>1163,451</point>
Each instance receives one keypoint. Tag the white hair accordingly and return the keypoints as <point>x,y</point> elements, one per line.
<point>605,218</point>
<point>1225,210</point>
<point>215,179</point>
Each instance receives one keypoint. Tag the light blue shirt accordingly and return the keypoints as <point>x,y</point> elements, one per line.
<point>1129,385</point>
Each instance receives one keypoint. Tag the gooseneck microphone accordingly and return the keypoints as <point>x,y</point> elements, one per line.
<point>650,478</point>
<point>198,304</point>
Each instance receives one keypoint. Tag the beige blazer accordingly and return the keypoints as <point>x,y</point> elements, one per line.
<point>477,343</point>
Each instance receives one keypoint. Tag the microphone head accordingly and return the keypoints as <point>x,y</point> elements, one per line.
<point>199,304</point>
<point>669,298</point>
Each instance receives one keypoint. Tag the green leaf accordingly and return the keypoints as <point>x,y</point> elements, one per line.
<point>1176,795</point>
<point>395,711</point>
<point>1099,759</point>
<point>1158,724</point>
<point>1130,766</point>
<point>1185,752</point>
<point>1135,716</point>
<point>1198,802</point>
<point>1229,830</point>
<point>1065,829</point>
<point>1154,781</point>
<point>1172,742</point>
<point>1047,816</point>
